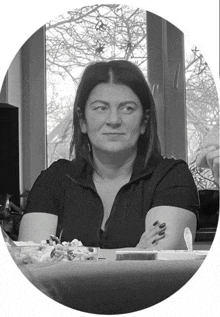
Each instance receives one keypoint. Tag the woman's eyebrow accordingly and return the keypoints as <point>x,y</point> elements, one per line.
<point>124,103</point>
<point>100,101</point>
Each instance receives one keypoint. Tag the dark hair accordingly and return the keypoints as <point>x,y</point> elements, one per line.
<point>119,72</point>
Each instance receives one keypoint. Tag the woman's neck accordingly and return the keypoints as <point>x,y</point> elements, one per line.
<point>112,166</point>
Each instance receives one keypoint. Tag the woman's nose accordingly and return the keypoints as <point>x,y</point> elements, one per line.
<point>114,117</point>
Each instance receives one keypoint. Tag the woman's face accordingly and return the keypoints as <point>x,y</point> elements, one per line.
<point>113,118</point>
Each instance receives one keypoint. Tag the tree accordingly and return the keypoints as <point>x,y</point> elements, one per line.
<point>77,38</point>
<point>104,32</point>
<point>202,112</point>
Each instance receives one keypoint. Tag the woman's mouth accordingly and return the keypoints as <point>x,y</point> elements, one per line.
<point>113,133</point>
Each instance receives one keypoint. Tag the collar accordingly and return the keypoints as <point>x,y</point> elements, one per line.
<point>139,169</point>
<point>81,171</point>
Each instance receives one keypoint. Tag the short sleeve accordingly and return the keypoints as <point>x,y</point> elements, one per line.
<point>177,188</point>
<point>44,194</point>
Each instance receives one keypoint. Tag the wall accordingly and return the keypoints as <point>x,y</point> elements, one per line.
<point>11,90</point>
<point>24,87</point>
<point>33,114</point>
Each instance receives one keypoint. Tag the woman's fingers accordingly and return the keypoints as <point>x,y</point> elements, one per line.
<point>152,235</point>
<point>160,236</point>
<point>215,170</point>
<point>211,156</point>
<point>212,159</point>
<point>155,229</point>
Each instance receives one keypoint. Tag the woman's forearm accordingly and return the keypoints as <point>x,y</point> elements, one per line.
<point>37,227</point>
<point>175,220</point>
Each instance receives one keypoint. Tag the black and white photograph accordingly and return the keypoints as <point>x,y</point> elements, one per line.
<point>109,165</point>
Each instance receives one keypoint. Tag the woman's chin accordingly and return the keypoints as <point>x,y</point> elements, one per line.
<point>115,149</point>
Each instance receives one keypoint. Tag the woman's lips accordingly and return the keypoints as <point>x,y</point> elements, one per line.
<point>113,133</point>
<point>113,136</point>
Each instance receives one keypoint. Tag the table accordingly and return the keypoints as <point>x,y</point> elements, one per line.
<point>108,286</point>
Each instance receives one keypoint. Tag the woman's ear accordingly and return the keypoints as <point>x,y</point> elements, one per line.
<point>82,121</point>
<point>145,121</point>
<point>83,126</point>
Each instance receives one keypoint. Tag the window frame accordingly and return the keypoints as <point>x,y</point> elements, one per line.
<point>166,51</point>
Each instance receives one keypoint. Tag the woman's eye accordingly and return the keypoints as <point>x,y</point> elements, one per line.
<point>100,109</point>
<point>127,109</point>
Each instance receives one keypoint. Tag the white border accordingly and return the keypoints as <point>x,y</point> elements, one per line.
<point>199,20</point>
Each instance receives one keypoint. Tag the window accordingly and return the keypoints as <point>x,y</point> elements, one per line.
<point>102,32</point>
<point>202,110</point>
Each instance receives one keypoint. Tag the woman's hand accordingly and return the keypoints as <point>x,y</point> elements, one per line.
<point>150,237</point>
<point>212,158</point>
<point>209,158</point>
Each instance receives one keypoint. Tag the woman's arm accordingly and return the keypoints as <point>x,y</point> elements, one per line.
<point>212,159</point>
<point>42,209</point>
<point>208,155</point>
<point>37,226</point>
<point>175,203</point>
<point>176,220</point>
<point>209,158</point>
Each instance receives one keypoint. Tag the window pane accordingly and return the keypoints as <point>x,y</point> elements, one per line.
<point>103,32</point>
<point>202,110</point>
<point>74,39</point>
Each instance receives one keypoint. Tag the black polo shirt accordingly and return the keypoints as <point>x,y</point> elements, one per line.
<point>62,191</point>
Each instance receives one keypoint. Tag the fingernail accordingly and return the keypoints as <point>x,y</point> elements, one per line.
<point>161,233</point>
<point>156,223</point>
<point>154,241</point>
<point>162,225</point>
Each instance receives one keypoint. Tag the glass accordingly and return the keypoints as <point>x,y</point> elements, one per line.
<point>202,110</point>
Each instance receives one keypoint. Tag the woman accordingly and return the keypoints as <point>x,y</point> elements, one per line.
<point>118,191</point>
<point>208,155</point>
